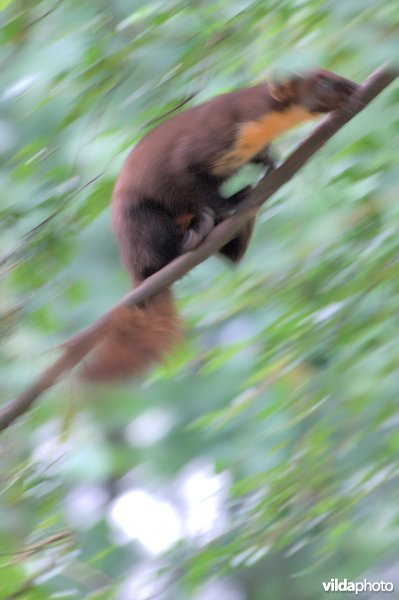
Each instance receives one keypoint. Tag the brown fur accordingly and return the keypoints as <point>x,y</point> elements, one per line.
<point>135,338</point>
<point>253,135</point>
<point>167,197</point>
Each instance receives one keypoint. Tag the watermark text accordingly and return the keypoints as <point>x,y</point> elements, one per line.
<point>357,587</point>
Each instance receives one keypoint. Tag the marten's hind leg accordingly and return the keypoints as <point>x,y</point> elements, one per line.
<point>235,249</point>
<point>149,239</point>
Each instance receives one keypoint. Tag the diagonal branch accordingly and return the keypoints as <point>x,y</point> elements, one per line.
<point>79,345</point>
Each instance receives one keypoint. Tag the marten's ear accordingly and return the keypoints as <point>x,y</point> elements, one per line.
<point>276,91</point>
<point>285,92</point>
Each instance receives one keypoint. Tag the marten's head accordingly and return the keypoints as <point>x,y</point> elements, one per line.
<point>324,91</point>
<point>318,92</point>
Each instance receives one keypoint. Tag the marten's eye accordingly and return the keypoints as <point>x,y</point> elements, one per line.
<point>325,85</point>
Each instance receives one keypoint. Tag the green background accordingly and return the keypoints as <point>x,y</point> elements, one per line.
<point>278,418</point>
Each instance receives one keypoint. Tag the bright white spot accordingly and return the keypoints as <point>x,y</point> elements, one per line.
<point>150,427</point>
<point>327,312</point>
<point>204,495</point>
<point>139,516</point>
<point>20,86</point>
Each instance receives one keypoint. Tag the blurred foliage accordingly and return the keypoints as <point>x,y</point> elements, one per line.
<point>286,390</point>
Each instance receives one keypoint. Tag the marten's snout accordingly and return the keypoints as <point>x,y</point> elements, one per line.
<point>327,91</point>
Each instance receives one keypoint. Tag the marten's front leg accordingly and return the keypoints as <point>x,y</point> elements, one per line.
<point>219,209</point>
<point>199,228</point>
<point>235,249</point>
<point>208,217</point>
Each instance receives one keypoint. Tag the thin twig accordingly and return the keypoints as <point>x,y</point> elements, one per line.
<point>79,345</point>
<point>21,555</point>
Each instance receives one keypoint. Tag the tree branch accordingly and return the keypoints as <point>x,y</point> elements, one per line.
<point>79,345</point>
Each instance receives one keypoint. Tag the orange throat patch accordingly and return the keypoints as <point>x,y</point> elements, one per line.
<point>255,135</point>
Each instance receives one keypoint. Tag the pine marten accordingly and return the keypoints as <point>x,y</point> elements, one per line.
<point>167,198</point>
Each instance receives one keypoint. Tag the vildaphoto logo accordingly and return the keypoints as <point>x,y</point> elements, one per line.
<point>357,587</point>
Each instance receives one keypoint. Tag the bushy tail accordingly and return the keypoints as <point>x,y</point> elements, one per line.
<point>135,339</point>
